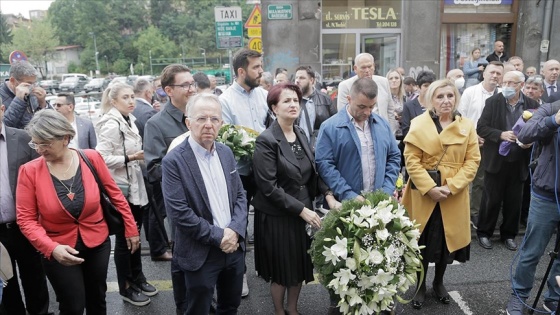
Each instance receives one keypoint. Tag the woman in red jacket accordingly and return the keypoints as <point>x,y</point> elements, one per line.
<point>58,210</point>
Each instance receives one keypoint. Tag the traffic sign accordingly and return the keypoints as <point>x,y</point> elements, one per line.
<point>16,56</point>
<point>254,32</point>
<point>256,44</point>
<point>229,27</point>
<point>255,18</point>
<point>280,12</point>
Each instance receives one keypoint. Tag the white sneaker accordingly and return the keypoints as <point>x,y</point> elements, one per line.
<point>245,290</point>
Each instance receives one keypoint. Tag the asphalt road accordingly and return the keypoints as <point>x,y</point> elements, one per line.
<point>480,286</point>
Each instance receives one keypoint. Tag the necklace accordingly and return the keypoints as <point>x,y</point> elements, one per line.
<point>70,194</point>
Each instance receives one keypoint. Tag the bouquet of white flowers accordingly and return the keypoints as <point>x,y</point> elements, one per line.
<point>241,140</point>
<point>366,253</point>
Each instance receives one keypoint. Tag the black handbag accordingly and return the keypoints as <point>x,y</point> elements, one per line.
<point>112,216</point>
<point>434,173</point>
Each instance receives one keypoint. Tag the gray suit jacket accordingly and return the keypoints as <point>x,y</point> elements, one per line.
<point>19,153</point>
<point>385,105</point>
<point>159,131</point>
<point>187,204</point>
<point>86,133</point>
<point>143,112</point>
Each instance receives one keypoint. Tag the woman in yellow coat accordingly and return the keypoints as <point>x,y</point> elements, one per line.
<point>442,212</point>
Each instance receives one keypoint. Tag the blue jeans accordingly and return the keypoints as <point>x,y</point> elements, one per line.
<point>541,224</point>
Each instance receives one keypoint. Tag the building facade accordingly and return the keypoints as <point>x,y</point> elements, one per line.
<point>436,35</point>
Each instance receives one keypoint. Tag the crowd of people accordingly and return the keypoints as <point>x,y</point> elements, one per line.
<point>154,154</point>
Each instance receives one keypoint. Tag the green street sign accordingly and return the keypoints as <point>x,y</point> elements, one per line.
<point>280,12</point>
<point>229,27</point>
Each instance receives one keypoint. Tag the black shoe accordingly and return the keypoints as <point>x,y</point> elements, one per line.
<point>510,244</point>
<point>484,242</point>
<point>135,297</point>
<point>147,289</point>
<point>417,304</point>
<point>440,293</point>
<point>418,299</point>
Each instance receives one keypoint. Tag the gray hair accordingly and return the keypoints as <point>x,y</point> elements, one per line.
<point>49,125</point>
<point>363,55</point>
<point>201,99</point>
<point>141,85</point>
<point>22,69</point>
<point>111,93</point>
<point>518,74</point>
<point>267,78</point>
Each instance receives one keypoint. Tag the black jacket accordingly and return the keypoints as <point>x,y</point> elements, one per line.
<point>490,126</point>
<point>324,109</point>
<point>494,57</point>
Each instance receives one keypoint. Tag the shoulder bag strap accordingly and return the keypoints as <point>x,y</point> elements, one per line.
<point>93,171</point>
<point>444,150</point>
<point>124,152</point>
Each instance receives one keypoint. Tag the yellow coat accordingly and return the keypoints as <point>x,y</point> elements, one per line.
<point>424,147</point>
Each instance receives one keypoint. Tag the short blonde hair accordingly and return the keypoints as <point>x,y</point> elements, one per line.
<point>438,85</point>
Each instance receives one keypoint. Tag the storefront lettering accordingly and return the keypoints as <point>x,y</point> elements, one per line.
<point>383,16</point>
<point>374,14</point>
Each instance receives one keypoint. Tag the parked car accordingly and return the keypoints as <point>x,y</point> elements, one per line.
<point>97,84</point>
<point>118,79</point>
<point>87,107</point>
<point>73,84</point>
<point>51,86</point>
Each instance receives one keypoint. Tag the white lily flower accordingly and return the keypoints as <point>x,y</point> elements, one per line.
<point>385,213</point>
<point>330,255</point>
<point>340,249</point>
<point>344,276</point>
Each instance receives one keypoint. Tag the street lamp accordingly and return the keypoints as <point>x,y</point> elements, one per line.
<point>106,63</point>
<point>204,54</point>
<point>151,69</point>
<point>97,72</point>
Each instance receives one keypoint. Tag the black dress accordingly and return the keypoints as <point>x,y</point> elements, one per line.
<point>433,235</point>
<point>281,242</point>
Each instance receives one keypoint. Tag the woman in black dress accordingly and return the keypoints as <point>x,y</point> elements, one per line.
<point>287,182</point>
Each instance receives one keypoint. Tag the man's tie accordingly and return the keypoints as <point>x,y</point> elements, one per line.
<point>552,89</point>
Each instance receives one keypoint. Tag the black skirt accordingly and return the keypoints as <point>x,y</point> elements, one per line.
<point>281,245</point>
<point>433,237</point>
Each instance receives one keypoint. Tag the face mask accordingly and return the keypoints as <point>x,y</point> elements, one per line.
<point>508,92</point>
<point>161,92</point>
<point>459,83</point>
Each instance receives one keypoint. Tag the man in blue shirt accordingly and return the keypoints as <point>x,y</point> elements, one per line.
<point>356,150</point>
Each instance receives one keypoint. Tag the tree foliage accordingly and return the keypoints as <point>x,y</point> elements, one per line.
<point>5,38</point>
<point>38,41</point>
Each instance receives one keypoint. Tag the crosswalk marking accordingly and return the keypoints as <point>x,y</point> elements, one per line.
<point>455,295</point>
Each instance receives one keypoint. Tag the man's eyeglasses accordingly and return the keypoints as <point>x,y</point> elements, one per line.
<point>36,146</point>
<point>185,86</point>
<point>202,120</point>
<point>59,104</point>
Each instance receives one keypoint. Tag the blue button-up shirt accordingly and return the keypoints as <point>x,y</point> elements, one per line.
<point>214,181</point>
<point>248,109</point>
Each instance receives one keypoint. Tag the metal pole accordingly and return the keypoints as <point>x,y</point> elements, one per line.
<point>230,67</point>
<point>204,54</point>
<point>151,69</point>
<point>97,72</point>
<point>183,55</point>
<point>547,22</point>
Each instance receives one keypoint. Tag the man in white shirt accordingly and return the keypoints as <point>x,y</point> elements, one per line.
<point>364,66</point>
<point>472,102</point>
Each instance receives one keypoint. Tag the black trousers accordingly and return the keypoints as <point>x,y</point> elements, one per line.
<point>152,228</point>
<point>31,272</point>
<point>222,271</point>
<point>81,286</point>
<point>128,266</point>
<point>504,189</point>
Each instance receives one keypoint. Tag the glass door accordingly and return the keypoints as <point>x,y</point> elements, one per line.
<point>385,49</point>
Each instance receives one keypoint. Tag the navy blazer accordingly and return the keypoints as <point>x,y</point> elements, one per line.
<point>277,172</point>
<point>142,112</point>
<point>86,133</point>
<point>187,204</point>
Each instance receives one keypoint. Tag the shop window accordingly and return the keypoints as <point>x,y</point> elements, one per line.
<point>458,40</point>
<point>338,51</point>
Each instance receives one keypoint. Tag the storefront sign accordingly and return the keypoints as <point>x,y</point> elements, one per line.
<point>479,2</point>
<point>384,14</point>
<point>280,12</point>
<point>229,27</point>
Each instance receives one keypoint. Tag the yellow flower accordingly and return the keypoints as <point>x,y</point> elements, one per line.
<point>399,183</point>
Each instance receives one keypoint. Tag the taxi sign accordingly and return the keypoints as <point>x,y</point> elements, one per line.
<point>255,18</point>
<point>256,44</point>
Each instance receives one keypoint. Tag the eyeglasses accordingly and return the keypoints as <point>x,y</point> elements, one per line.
<point>510,83</point>
<point>185,86</point>
<point>59,104</point>
<point>36,146</point>
<point>202,120</point>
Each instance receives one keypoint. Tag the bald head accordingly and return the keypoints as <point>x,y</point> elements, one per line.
<point>454,74</point>
<point>551,69</point>
<point>498,47</point>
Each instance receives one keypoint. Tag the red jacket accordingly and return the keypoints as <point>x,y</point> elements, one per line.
<point>46,223</point>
